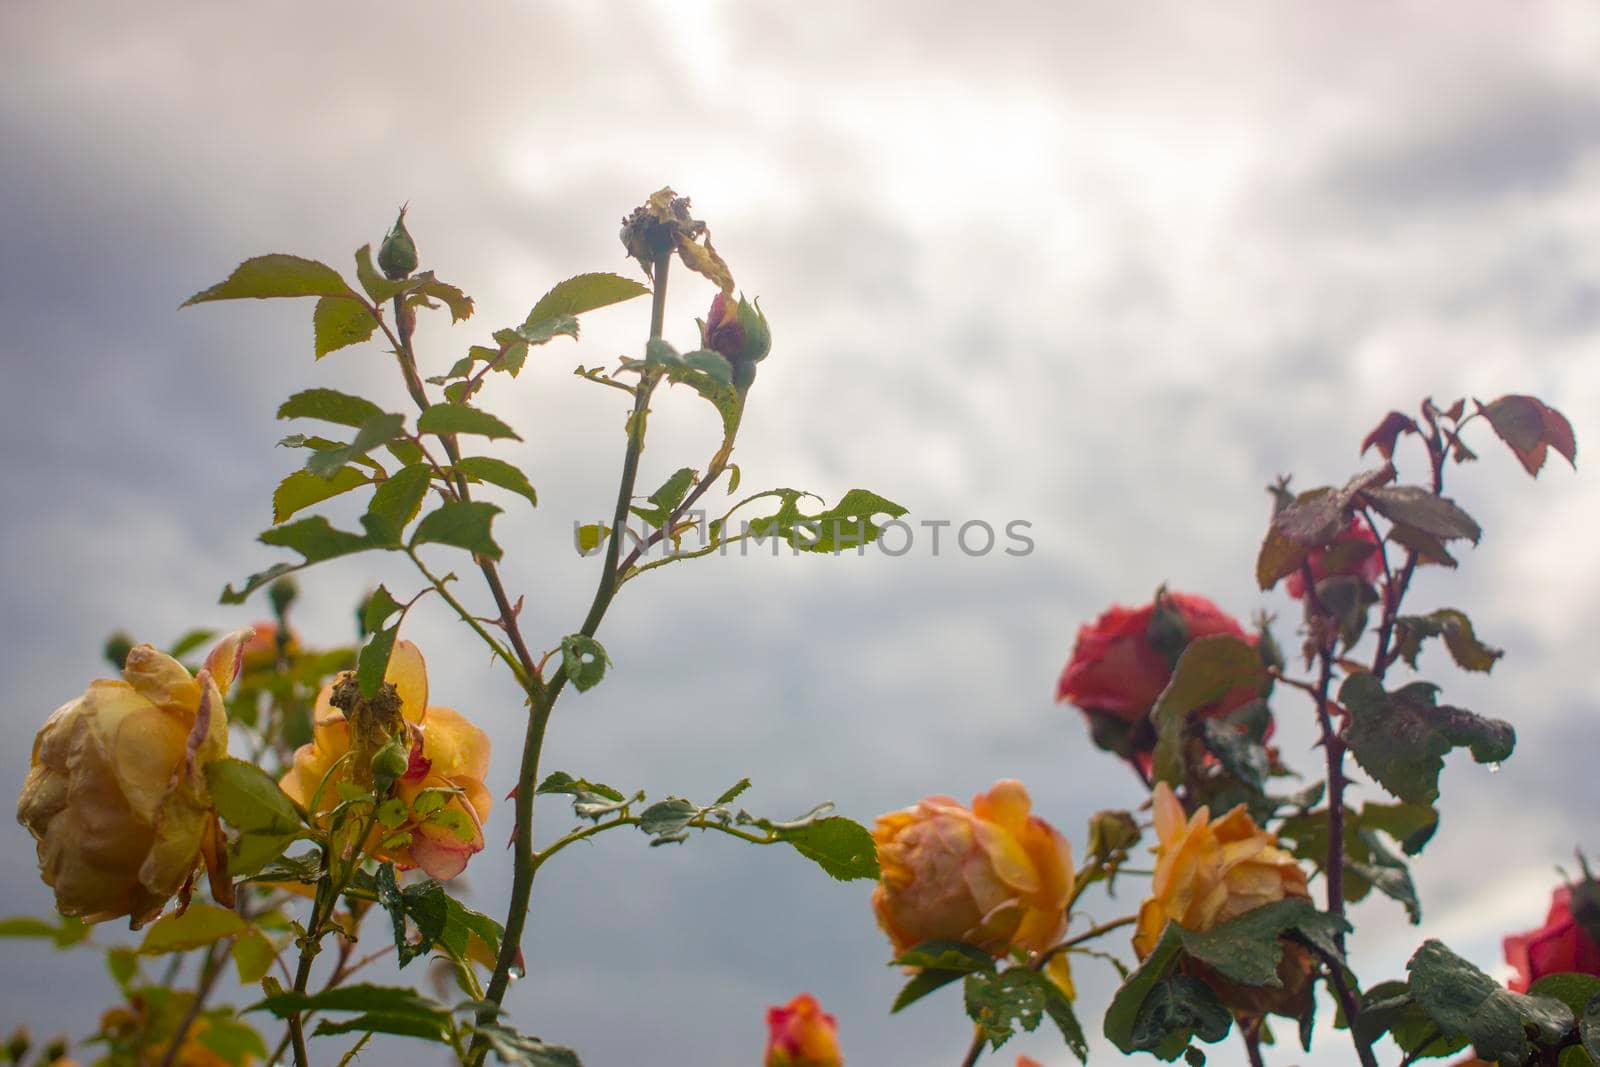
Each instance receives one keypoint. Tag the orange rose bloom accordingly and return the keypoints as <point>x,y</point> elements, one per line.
<point>447,753</point>
<point>801,1034</point>
<point>1208,872</point>
<point>996,876</point>
<point>117,797</point>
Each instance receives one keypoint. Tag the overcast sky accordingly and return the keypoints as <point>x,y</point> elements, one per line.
<point>1106,269</point>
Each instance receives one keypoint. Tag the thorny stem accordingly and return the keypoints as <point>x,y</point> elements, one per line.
<point>544,695</point>
<point>1394,589</point>
<point>1347,1001</point>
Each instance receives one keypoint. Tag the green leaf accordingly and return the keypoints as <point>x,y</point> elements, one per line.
<point>667,817</point>
<point>253,955</point>
<point>1456,629</point>
<point>380,605</point>
<point>396,502</point>
<point>1060,1010</point>
<point>463,524</point>
<point>1000,1003</point>
<point>1572,989</point>
<point>123,963</point>
<point>1388,1007</point>
<point>330,405</point>
<point>339,322</point>
<point>378,287</point>
<point>498,472</point>
<point>202,924</point>
<point>1412,825</point>
<point>1178,1008</point>
<point>459,418</point>
<point>315,539</point>
<point>946,955</point>
<point>1460,999</point>
<point>250,853</point>
<point>1130,996</point>
<point>401,1024</point>
<point>361,997</point>
<point>1401,738</point>
<point>1416,507</point>
<point>24,926</point>
<point>373,661</point>
<point>584,661</point>
<point>462,925</point>
<point>1241,755</point>
<point>1209,669</point>
<point>1248,949</point>
<point>431,288</point>
<point>668,497</point>
<point>850,523</point>
<point>278,275</point>
<point>237,1044</point>
<point>731,793</point>
<point>562,782</point>
<point>374,432</point>
<point>922,983</point>
<point>248,799</point>
<point>523,1050</point>
<point>539,333</point>
<point>842,848</point>
<point>302,489</point>
<point>1589,1028</point>
<point>585,292</point>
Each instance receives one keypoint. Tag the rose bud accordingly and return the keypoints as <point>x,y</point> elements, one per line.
<point>1354,553</point>
<point>444,752</point>
<point>1210,871</point>
<point>1124,659</point>
<point>740,333</point>
<point>1560,945</point>
<point>397,256</point>
<point>116,796</point>
<point>261,651</point>
<point>801,1034</point>
<point>994,876</point>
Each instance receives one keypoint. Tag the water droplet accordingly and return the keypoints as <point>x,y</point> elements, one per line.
<point>1494,767</point>
<point>513,973</point>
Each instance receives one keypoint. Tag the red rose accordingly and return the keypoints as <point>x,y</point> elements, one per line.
<point>1557,947</point>
<point>1124,659</point>
<point>1354,552</point>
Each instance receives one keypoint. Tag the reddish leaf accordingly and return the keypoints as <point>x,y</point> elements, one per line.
<point>1387,432</point>
<point>1530,428</point>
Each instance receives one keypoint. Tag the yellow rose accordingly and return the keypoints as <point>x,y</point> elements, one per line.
<point>446,752</point>
<point>1209,871</point>
<point>994,876</point>
<point>116,796</point>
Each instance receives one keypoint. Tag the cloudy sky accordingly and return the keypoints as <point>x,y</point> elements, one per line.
<point>1106,269</point>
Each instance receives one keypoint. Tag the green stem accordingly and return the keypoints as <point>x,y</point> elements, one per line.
<point>544,696</point>
<point>523,679</point>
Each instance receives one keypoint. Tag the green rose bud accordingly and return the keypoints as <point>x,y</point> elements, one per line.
<point>397,256</point>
